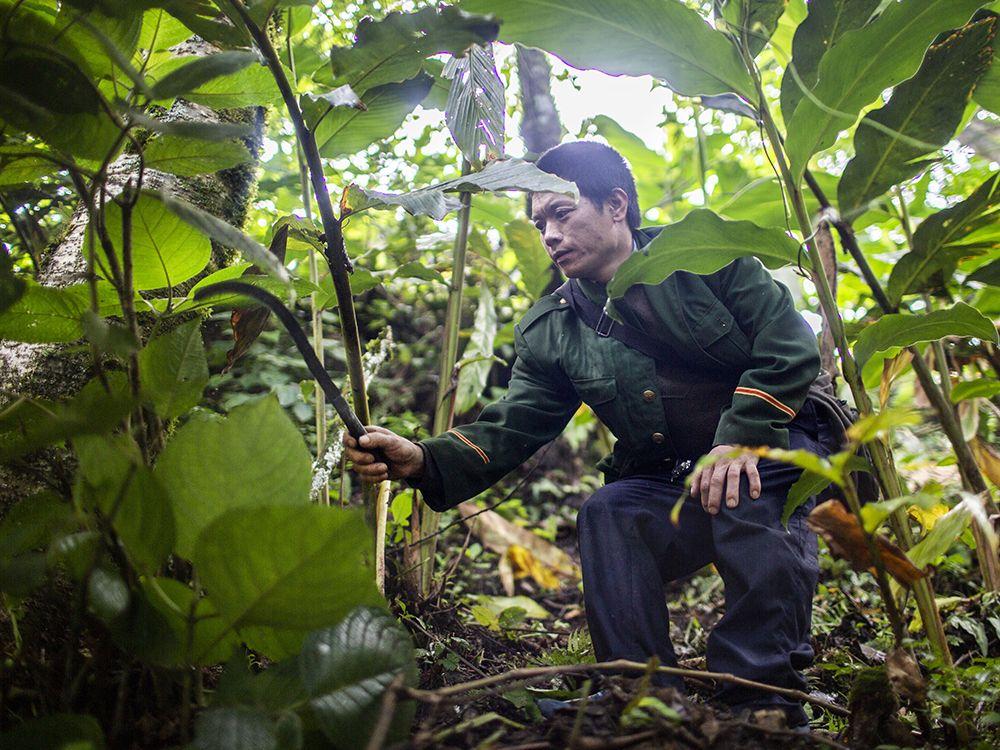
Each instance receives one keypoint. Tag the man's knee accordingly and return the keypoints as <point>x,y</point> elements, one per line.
<point>600,509</point>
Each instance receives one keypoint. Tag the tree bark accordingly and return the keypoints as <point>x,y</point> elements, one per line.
<point>57,371</point>
<point>541,128</point>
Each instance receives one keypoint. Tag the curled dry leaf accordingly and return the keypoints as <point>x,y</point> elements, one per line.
<point>988,459</point>
<point>842,532</point>
<point>523,552</point>
<point>249,321</point>
<point>904,674</point>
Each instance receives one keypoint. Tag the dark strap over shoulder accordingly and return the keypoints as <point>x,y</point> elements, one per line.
<point>594,316</point>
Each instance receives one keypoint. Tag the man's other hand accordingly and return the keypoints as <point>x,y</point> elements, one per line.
<point>405,457</point>
<point>722,479</point>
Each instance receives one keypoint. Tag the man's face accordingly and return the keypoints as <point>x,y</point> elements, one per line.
<point>579,236</point>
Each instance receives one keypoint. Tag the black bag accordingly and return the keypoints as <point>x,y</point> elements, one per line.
<point>837,413</point>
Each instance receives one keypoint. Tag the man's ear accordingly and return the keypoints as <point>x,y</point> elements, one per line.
<point>617,204</point>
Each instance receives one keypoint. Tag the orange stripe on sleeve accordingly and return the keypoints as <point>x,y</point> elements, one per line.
<point>768,398</point>
<point>476,448</point>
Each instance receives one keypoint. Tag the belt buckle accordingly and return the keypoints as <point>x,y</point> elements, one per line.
<point>681,469</point>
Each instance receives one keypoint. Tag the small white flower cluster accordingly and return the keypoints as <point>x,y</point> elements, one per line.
<point>371,362</point>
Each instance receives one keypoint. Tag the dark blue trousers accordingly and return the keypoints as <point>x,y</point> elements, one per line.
<point>630,548</point>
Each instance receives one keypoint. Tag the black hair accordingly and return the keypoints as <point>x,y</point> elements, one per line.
<point>597,169</point>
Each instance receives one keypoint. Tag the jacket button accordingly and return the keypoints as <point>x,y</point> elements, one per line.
<point>649,395</point>
<point>658,437</point>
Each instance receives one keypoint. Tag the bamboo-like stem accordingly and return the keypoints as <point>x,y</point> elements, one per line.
<point>315,314</point>
<point>885,469</point>
<point>443,411</point>
<point>702,156</point>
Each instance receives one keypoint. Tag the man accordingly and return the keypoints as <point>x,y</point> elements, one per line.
<point>734,362</point>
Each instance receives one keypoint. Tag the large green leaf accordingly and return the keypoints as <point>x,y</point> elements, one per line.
<point>226,235</point>
<point>254,457</point>
<point>757,19</point>
<point>927,109</point>
<point>157,630</point>
<point>943,238</point>
<point>497,176</point>
<point>477,359</point>
<point>320,570</point>
<point>173,370</point>
<point>56,732</point>
<point>945,532</point>
<point>165,250</point>
<point>762,201</point>
<point>864,63</point>
<point>236,728</point>
<point>31,523</point>
<point>346,670</point>
<point>49,315</point>
<point>45,92</point>
<point>421,202</point>
<point>23,164</point>
<point>111,478</point>
<point>906,330</point>
<point>666,39</point>
<point>12,286</point>
<point>475,112</point>
<point>533,261</point>
<point>648,167</point>
<point>393,49</point>
<point>191,156</point>
<point>702,242</point>
<point>346,131</point>
<point>29,424</point>
<point>221,81</point>
<point>987,93</point>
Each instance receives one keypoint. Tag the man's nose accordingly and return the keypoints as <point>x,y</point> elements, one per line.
<point>551,237</point>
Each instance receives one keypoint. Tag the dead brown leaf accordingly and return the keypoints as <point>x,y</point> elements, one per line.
<point>842,532</point>
<point>248,322</point>
<point>523,552</point>
<point>988,459</point>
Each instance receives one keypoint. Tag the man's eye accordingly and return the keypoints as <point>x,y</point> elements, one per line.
<point>563,214</point>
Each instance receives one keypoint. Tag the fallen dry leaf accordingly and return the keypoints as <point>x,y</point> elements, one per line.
<point>525,564</point>
<point>248,322</point>
<point>842,532</point>
<point>544,561</point>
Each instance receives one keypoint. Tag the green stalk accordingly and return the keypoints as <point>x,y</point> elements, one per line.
<point>702,157</point>
<point>885,469</point>
<point>319,398</point>
<point>336,254</point>
<point>443,410</point>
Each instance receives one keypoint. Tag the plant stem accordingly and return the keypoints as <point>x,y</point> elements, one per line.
<point>316,315</point>
<point>443,411</point>
<point>526,674</point>
<point>336,255</point>
<point>885,469</point>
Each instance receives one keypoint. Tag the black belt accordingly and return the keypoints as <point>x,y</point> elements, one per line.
<point>674,469</point>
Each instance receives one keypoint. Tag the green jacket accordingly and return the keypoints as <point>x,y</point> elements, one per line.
<point>738,318</point>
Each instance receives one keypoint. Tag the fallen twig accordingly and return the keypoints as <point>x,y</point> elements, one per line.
<point>527,674</point>
<point>385,716</point>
